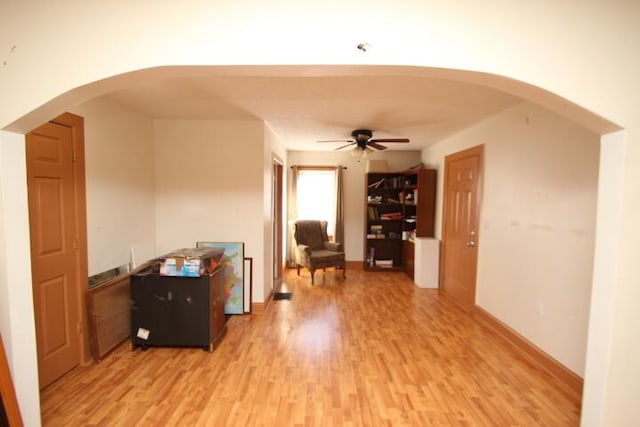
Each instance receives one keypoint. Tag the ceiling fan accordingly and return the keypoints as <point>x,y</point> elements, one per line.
<point>362,139</point>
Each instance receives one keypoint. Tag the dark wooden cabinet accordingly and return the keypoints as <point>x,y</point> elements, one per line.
<point>177,311</point>
<point>426,203</point>
<point>408,257</point>
<point>400,206</point>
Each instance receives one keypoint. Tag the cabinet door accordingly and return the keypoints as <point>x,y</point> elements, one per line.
<point>217,304</point>
<point>426,203</point>
<point>150,312</point>
<point>173,310</point>
<point>408,257</point>
<point>190,314</point>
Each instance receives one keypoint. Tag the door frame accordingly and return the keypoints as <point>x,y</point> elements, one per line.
<point>277,211</point>
<point>476,150</point>
<point>76,123</point>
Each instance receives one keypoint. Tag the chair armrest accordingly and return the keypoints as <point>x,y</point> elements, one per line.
<point>304,249</point>
<point>333,246</point>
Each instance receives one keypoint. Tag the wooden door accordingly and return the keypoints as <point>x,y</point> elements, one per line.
<point>462,191</point>
<point>54,243</point>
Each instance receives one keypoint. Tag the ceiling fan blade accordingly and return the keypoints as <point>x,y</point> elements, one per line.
<point>345,146</point>
<point>376,146</point>
<point>337,140</point>
<point>389,140</point>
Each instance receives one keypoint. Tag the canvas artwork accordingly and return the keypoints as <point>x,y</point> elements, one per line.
<point>233,265</point>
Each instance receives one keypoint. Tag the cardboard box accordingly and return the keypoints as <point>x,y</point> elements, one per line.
<point>181,267</point>
<point>190,262</point>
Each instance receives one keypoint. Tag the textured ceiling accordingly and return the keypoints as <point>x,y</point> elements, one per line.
<point>302,110</point>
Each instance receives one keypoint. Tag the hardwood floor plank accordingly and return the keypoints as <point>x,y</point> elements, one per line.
<point>371,349</point>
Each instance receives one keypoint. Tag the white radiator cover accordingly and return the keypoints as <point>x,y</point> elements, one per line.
<point>427,262</point>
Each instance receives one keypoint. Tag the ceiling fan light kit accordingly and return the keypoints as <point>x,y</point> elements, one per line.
<point>362,135</point>
<point>361,152</point>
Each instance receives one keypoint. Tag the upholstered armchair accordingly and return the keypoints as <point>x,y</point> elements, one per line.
<point>313,249</point>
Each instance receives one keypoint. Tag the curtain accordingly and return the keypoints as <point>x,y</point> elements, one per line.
<point>292,214</point>
<point>339,220</point>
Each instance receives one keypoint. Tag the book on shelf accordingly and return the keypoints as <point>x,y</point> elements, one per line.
<point>391,215</point>
<point>375,229</point>
<point>394,182</point>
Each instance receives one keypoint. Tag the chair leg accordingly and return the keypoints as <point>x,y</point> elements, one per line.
<point>312,271</point>
<point>298,269</point>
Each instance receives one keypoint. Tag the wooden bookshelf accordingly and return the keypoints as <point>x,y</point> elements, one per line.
<point>399,206</point>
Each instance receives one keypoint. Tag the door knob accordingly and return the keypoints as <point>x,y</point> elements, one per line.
<point>471,244</point>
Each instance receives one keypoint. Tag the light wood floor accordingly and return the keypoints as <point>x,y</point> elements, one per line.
<point>370,350</point>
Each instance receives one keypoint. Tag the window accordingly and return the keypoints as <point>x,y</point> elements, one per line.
<point>316,196</point>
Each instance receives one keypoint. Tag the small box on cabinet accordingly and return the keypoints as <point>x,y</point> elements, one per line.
<point>190,262</point>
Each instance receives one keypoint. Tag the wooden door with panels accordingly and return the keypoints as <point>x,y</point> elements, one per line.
<point>58,244</point>
<point>462,195</point>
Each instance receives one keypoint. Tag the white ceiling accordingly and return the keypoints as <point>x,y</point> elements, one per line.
<point>301,110</point>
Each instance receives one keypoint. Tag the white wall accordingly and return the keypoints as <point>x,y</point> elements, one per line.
<point>536,237</point>
<point>470,36</point>
<point>17,323</point>
<point>120,185</point>
<point>610,185</point>
<point>354,191</point>
<point>209,186</point>
<point>5,318</point>
<point>622,384</point>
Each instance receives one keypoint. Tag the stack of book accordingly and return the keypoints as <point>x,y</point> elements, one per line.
<point>375,232</point>
<point>384,263</point>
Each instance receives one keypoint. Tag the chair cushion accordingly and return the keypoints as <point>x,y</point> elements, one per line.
<point>309,233</point>
<point>324,258</point>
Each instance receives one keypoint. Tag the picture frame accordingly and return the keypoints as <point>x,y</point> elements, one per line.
<point>248,283</point>
<point>233,269</point>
